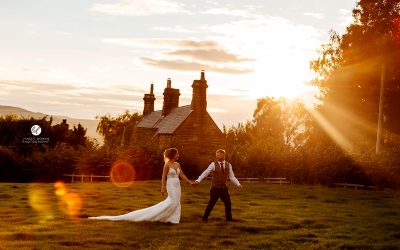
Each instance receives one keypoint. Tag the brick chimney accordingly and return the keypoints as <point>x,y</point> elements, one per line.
<point>199,97</point>
<point>171,98</point>
<point>149,101</point>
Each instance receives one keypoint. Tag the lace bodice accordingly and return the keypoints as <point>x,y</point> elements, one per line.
<point>172,173</point>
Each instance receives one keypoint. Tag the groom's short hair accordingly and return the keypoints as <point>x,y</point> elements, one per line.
<point>220,151</point>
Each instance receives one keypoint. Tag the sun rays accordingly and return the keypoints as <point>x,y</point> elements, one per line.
<point>352,133</point>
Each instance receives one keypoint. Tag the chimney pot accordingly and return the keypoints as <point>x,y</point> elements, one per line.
<point>149,101</point>
<point>169,83</point>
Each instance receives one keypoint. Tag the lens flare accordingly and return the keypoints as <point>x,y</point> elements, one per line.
<point>137,157</point>
<point>38,199</point>
<point>71,204</point>
<point>333,132</point>
<point>122,174</point>
<point>60,188</point>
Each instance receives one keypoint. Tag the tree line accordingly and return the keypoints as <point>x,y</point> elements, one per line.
<point>284,139</point>
<point>45,160</point>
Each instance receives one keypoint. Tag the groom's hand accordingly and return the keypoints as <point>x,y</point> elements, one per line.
<point>195,184</point>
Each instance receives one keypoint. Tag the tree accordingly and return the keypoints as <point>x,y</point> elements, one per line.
<point>78,136</point>
<point>348,71</point>
<point>265,145</point>
<point>9,165</point>
<point>287,122</point>
<point>23,160</point>
<point>118,131</point>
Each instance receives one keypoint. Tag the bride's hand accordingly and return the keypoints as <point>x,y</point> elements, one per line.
<point>163,191</point>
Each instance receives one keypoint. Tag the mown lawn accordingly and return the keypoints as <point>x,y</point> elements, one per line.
<point>268,216</point>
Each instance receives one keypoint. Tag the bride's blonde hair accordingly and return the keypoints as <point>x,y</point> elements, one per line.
<point>170,154</point>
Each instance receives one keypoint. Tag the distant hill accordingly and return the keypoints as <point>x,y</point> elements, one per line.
<point>90,125</point>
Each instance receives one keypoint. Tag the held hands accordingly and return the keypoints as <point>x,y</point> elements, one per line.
<point>195,184</point>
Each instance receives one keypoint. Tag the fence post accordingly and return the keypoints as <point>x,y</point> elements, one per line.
<point>81,177</point>
<point>91,178</point>
<point>72,181</point>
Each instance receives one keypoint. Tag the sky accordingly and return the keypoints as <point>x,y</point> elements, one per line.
<point>95,57</point>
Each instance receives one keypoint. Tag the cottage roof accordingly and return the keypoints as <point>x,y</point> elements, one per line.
<point>148,121</point>
<point>167,124</point>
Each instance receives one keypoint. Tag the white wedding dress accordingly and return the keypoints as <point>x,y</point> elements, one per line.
<point>169,210</point>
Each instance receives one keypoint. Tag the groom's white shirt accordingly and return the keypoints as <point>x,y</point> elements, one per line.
<point>211,168</point>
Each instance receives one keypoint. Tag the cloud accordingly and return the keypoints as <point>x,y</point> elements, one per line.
<point>230,110</point>
<point>71,97</point>
<point>188,43</point>
<point>315,15</point>
<point>192,66</point>
<point>228,12</point>
<point>176,28</point>
<point>195,53</point>
<point>10,85</point>
<point>63,33</point>
<point>44,74</point>
<point>140,8</point>
<point>265,45</point>
<point>344,11</point>
<point>268,38</point>
<point>216,110</point>
<point>210,55</point>
<point>162,42</point>
<point>282,49</point>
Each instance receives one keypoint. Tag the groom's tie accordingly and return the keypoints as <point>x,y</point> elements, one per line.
<point>222,167</point>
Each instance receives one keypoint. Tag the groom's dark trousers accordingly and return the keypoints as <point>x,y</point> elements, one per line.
<point>215,194</point>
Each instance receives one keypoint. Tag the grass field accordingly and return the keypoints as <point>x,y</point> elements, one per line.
<point>268,217</point>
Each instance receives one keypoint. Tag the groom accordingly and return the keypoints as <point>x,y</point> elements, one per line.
<point>222,170</point>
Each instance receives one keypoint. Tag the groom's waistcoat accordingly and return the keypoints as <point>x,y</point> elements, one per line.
<point>220,177</point>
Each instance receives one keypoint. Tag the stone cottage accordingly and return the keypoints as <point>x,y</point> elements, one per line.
<point>189,128</point>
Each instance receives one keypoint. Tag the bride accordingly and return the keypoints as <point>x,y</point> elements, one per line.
<point>169,210</point>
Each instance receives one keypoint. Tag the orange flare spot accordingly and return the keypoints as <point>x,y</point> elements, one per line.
<point>122,174</point>
<point>60,188</point>
<point>39,200</point>
<point>71,204</point>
